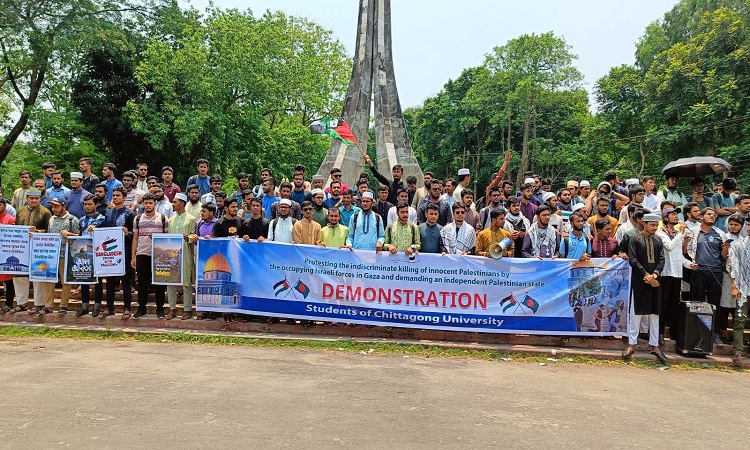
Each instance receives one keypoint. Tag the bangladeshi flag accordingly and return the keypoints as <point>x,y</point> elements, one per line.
<point>302,288</point>
<point>337,129</point>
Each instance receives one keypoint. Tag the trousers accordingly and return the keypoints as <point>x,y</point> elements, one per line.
<point>143,268</point>
<point>740,316</point>
<point>634,327</point>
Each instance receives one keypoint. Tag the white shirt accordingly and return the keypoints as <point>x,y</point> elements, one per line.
<point>673,259</point>
<point>652,203</point>
<point>282,231</point>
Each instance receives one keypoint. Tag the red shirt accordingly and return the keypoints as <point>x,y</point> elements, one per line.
<point>171,190</point>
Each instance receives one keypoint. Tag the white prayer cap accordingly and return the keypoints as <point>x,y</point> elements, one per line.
<point>316,191</point>
<point>78,175</point>
<point>367,194</point>
<point>546,196</point>
<point>529,180</point>
<point>285,201</point>
<point>181,196</point>
<point>463,172</point>
<point>578,206</point>
<point>632,182</point>
<point>585,183</point>
<point>317,176</point>
<point>651,217</point>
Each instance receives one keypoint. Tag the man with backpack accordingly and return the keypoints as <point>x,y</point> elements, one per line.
<point>576,245</point>
<point>402,235</point>
<point>366,227</point>
<point>145,225</point>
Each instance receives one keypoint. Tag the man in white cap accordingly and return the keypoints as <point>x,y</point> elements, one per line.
<point>281,229</point>
<point>76,194</point>
<point>584,189</point>
<point>366,228</point>
<point>320,212</point>
<point>646,257</point>
<point>182,223</point>
<point>464,178</point>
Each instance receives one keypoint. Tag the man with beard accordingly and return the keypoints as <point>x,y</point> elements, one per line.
<point>459,237</point>
<point>541,240</point>
<point>229,224</point>
<point>170,188</point>
<point>707,248</point>
<point>604,245</point>
<point>564,200</point>
<point>576,245</point>
<point>517,223</point>
<point>495,202</point>
<point>120,216</point>
<point>183,223</point>
<point>317,183</point>
<point>493,234</point>
<point>403,197</point>
<point>141,173</point>
<point>422,192</point>
<point>306,231</point>
<point>194,204</point>
<point>145,225</point>
<point>528,207</point>
<point>256,226</point>
<point>333,235</point>
<point>433,198</point>
<point>742,205</point>
<point>671,277</point>
<point>739,272</point>
<point>281,229</point>
<point>320,212</point>
<point>285,192</point>
<point>57,190</point>
<point>393,185</point>
<point>472,217</point>
<point>646,257</point>
<point>88,222</point>
<point>132,193</point>
<point>65,224</point>
<point>334,196</point>
<point>703,201</point>
<point>671,193</point>
<point>382,205</point>
<point>163,205</point>
<point>76,194</point>
<point>347,208</point>
<point>636,194</point>
<point>366,230</point>
<point>402,235</point>
<point>89,179</point>
<point>299,193</point>
<point>243,182</point>
<point>269,194</point>
<point>100,198</point>
<point>602,212</point>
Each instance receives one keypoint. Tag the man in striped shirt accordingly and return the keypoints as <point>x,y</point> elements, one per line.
<point>145,225</point>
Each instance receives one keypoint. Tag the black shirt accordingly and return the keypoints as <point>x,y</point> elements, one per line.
<point>222,226</point>
<point>254,228</point>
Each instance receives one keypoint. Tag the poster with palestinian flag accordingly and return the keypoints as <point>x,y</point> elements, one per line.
<point>335,128</point>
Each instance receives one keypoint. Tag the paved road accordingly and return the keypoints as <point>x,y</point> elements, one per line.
<point>96,394</point>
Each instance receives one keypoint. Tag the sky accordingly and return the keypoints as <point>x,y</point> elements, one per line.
<point>434,40</point>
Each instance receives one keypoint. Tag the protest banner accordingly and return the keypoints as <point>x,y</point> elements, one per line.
<point>44,254</point>
<point>450,292</point>
<point>14,250</point>
<point>109,252</point>
<point>166,259</point>
<point>79,260</point>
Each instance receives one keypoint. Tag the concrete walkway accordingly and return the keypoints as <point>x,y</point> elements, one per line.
<point>102,394</point>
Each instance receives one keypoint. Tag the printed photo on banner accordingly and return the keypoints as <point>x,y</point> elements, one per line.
<point>14,250</point>
<point>109,252</point>
<point>45,257</point>
<point>79,260</point>
<point>166,258</point>
<point>443,292</point>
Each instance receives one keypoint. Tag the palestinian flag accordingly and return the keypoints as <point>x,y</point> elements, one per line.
<point>302,288</point>
<point>510,300</point>
<point>280,287</point>
<point>337,129</point>
<point>530,303</point>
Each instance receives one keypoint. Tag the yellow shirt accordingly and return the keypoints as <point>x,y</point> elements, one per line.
<point>334,237</point>
<point>489,236</point>
<point>306,232</point>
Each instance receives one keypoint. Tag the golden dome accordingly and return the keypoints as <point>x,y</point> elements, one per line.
<point>172,254</point>
<point>217,263</point>
<point>43,266</point>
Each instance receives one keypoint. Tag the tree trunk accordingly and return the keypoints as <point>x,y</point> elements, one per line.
<point>643,160</point>
<point>525,150</point>
<point>36,85</point>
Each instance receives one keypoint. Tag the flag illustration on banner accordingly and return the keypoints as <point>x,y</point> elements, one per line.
<point>335,129</point>
<point>280,287</point>
<point>530,303</point>
<point>511,300</point>
<point>302,288</point>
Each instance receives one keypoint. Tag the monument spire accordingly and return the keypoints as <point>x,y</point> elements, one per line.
<point>372,72</point>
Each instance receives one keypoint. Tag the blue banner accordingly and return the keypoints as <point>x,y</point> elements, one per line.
<point>449,292</point>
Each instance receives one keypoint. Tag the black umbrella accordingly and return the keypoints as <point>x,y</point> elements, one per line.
<point>696,166</point>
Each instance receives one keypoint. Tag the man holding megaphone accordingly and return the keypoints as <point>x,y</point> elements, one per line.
<point>495,234</point>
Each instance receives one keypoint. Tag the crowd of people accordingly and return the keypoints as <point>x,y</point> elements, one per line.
<point>692,247</point>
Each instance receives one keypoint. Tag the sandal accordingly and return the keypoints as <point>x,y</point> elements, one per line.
<point>33,310</point>
<point>628,352</point>
<point>41,312</point>
<point>62,311</point>
<point>126,314</point>
<point>5,309</point>
<point>18,309</point>
<point>104,314</point>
